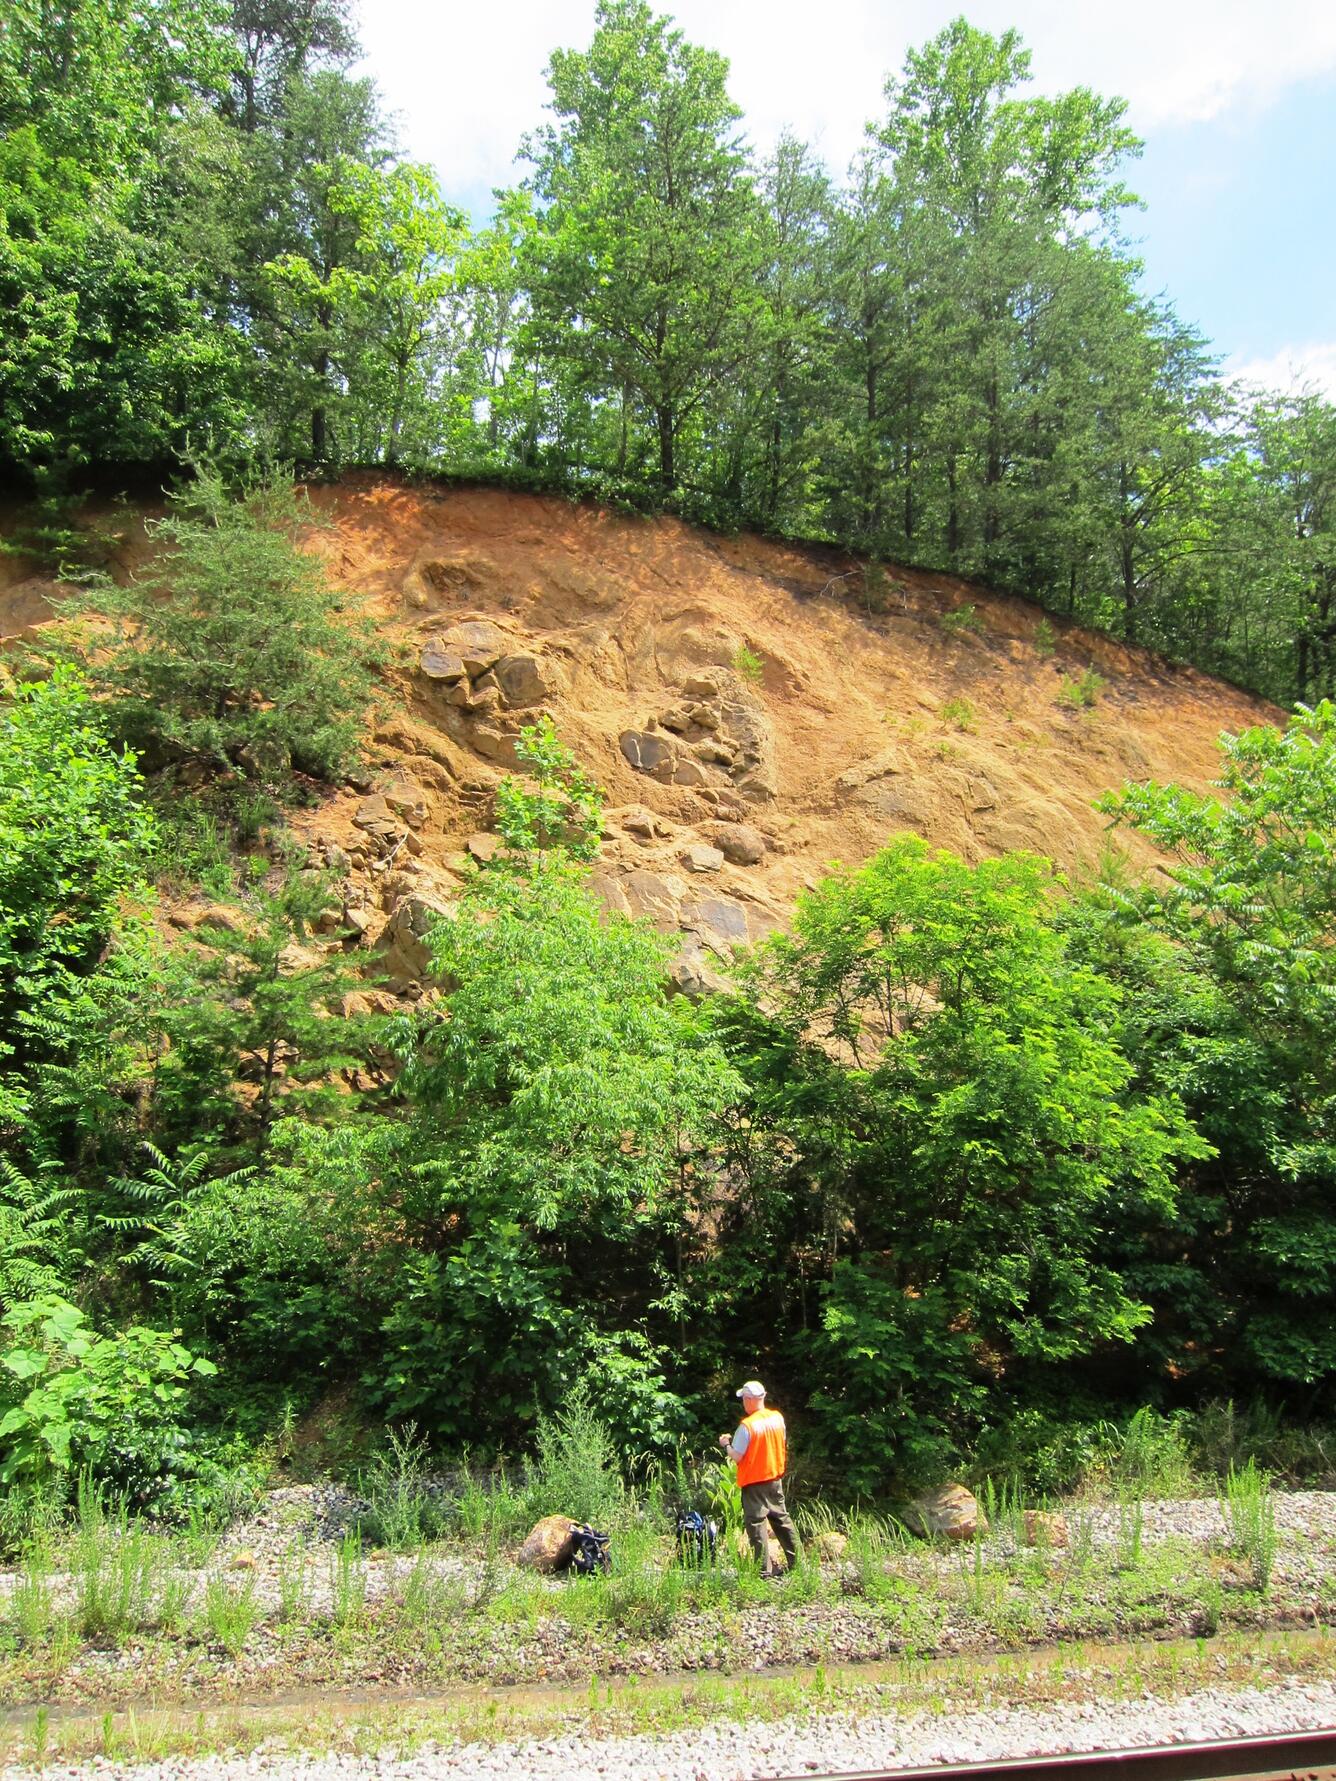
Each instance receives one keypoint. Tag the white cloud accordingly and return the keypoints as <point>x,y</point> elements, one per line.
<point>1293,369</point>
<point>467,82</point>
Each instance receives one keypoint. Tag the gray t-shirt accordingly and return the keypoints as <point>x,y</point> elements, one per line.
<point>741,1441</point>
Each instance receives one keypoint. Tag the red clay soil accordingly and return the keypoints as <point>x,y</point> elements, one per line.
<point>776,723</point>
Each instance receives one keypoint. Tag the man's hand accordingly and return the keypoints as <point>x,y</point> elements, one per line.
<point>725,1440</point>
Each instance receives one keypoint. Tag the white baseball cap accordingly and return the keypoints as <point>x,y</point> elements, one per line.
<point>752,1389</point>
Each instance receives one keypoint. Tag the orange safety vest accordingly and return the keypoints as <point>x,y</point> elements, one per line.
<point>767,1455</point>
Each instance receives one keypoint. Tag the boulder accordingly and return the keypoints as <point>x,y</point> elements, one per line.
<point>494,744</point>
<point>1044,1528</point>
<point>701,858</point>
<point>641,823</point>
<point>528,680</point>
<point>949,1512</point>
<point>484,846</point>
<point>648,753</point>
<point>693,972</point>
<point>739,842</point>
<point>215,915</point>
<point>742,1546</point>
<point>658,898</point>
<point>714,753</point>
<point>828,1548</point>
<point>549,1544</point>
<point>408,801</point>
<point>688,773</point>
<point>439,663</point>
<point>374,814</point>
<point>484,696</point>
<point>407,953</point>
<point>719,922</point>
<point>477,643</point>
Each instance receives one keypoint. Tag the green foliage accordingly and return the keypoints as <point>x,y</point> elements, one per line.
<point>251,1013</point>
<point>74,1399</point>
<point>73,840</point>
<point>233,650</point>
<point>645,259</point>
<point>576,1469</point>
<point>960,714</point>
<point>926,1028</point>
<point>962,621</point>
<point>402,1511</point>
<point>565,812</point>
<point>1230,963</point>
<point>748,664</point>
<point>1250,1515</point>
<point>1082,692</point>
<point>1045,642</point>
<point>555,1091</point>
<point>39,1246</point>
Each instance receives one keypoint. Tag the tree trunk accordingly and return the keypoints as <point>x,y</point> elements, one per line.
<point>667,464</point>
<point>1127,558</point>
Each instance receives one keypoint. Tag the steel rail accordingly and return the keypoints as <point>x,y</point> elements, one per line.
<point>1296,1756</point>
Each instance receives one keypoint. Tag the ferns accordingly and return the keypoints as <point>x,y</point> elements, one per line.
<point>38,1247</point>
<point>159,1197</point>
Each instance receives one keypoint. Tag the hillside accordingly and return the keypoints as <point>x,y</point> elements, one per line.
<point>749,718</point>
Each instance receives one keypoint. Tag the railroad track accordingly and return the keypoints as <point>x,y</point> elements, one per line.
<point>1300,1756</point>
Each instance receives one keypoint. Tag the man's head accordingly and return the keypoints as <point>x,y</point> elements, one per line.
<point>752,1395</point>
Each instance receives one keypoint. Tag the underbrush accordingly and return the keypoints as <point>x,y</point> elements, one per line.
<point>422,1576</point>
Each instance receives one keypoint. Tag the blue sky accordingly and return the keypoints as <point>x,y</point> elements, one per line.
<point>1240,228</point>
<point>1236,100</point>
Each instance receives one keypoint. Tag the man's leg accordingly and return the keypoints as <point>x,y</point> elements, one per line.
<point>780,1521</point>
<point>755,1518</point>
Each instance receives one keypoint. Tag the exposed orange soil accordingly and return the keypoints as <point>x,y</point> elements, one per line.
<point>643,639</point>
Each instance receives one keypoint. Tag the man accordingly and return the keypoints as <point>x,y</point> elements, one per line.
<point>760,1449</point>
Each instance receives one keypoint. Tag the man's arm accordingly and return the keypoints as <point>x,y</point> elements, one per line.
<point>739,1444</point>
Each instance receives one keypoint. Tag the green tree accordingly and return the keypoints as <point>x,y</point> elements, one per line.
<point>74,836</point>
<point>111,347</point>
<point>646,260</point>
<point>560,1104</point>
<point>939,1098</point>
<point>252,1021</point>
<point>1238,1018</point>
<point>233,650</point>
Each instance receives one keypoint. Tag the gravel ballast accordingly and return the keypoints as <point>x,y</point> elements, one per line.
<point>728,1751</point>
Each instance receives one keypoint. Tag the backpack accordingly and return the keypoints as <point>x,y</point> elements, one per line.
<point>589,1551</point>
<point>697,1538</point>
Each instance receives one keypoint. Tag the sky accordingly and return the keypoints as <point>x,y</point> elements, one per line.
<point>1235,99</point>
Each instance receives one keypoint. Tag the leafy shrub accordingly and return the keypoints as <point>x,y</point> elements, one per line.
<point>574,1470</point>
<point>1045,639</point>
<point>111,1404</point>
<point>1081,693</point>
<point>748,664</point>
<point>402,1511</point>
<point>1250,1515</point>
<point>960,713</point>
<point>965,620</point>
<point>234,650</point>
<point>565,812</point>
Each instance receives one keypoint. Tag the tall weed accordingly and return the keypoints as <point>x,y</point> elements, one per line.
<point>575,1471</point>
<point>1250,1515</point>
<point>402,1511</point>
<point>230,1613</point>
